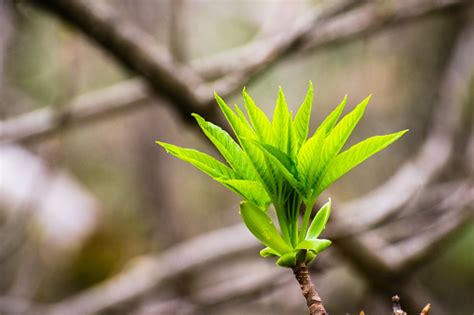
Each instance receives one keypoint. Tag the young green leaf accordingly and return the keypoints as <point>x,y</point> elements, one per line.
<point>288,260</point>
<point>272,162</point>
<point>240,128</point>
<point>243,131</point>
<point>268,252</point>
<point>259,120</point>
<point>316,245</point>
<point>293,140</point>
<point>339,135</point>
<point>308,160</point>
<point>303,115</point>
<point>242,117</point>
<point>262,227</point>
<point>202,161</point>
<point>328,123</point>
<point>283,162</point>
<point>355,155</point>
<point>249,190</point>
<point>310,256</point>
<point>229,149</point>
<point>280,122</point>
<point>319,221</point>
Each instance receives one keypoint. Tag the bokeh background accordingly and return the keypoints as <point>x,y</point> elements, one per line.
<point>89,201</point>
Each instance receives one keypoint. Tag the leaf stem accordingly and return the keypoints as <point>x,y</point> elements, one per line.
<point>283,223</point>
<point>305,222</point>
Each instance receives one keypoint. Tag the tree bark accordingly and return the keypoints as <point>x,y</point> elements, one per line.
<point>313,300</point>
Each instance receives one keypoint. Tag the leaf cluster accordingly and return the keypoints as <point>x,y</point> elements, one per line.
<point>276,162</point>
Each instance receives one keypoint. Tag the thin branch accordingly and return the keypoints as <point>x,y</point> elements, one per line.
<point>132,47</point>
<point>149,272</point>
<point>84,109</point>
<point>41,123</point>
<point>308,289</point>
<point>436,151</point>
<point>177,30</point>
<point>360,21</point>
<point>405,256</point>
<point>252,55</point>
<point>426,310</point>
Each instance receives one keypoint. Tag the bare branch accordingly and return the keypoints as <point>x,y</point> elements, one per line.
<point>313,300</point>
<point>177,31</point>
<point>132,47</point>
<point>41,123</point>
<point>149,272</point>
<point>316,30</point>
<point>405,256</point>
<point>436,151</point>
<point>252,55</point>
<point>83,109</point>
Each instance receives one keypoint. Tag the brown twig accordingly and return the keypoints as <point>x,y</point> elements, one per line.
<point>313,300</point>
<point>426,310</point>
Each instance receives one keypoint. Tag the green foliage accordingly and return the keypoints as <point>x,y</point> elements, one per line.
<point>274,162</point>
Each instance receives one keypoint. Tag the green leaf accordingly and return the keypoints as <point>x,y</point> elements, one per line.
<point>288,260</point>
<point>303,116</point>
<point>283,162</point>
<point>308,160</point>
<point>310,256</point>
<point>242,117</point>
<point>259,120</point>
<point>293,141</point>
<point>338,137</point>
<point>229,149</point>
<point>249,190</point>
<point>268,252</point>
<point>280,122</point>
<point>256,156</point>
<point>202,161</point>
<point>317,245</point>
<point>238,125</point>
<point>355,155</point>
<point>332,118</point>
<point>319,221</point>
<point>262,227</point>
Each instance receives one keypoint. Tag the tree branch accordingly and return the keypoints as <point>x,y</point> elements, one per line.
<point>313,300</point>
<point>41,123</point>
<point>84,109</point>
<point>132,47</point>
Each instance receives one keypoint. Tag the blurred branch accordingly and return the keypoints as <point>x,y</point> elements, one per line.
<point>313,31</point>
<point>132,47</point>
<point>436,151</point>
<point>147,273</point>
<point>83,109</point>
<point>262,51</point>
<point>458,213</point>
<point>177,30</point>
<point>44,122</point>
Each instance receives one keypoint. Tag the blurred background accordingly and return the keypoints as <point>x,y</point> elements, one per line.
<point>96,219</point>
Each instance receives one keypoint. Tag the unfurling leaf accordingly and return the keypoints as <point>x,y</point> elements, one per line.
<point>319,221</point>
<point>316,245</point>
<point>262,227</point>
<point>355,155</point>
<point>288,260</point>
<point>274,162</point>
